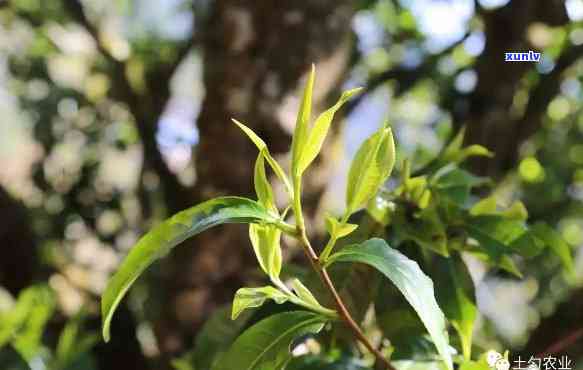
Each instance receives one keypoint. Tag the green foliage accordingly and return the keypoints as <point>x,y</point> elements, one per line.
<point>22,328</point>
<point>159,241</point>
<point>430,218</point>
<point>266,344</point>
<point>409,279</point>
<point>370,168</point>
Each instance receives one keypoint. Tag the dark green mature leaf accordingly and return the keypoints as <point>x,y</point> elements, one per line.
<point>318,363</point>
<point>455,293</point>
<point>266,345</point>
<point>411,282</point>
<point>73,343</point>
<point>455,184</point>
<point>215,337</point>
<point>499,235</point>
<point>370,168</point>
<point>160,240</point>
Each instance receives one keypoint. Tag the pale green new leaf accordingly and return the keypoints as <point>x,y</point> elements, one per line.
<point>266,345</point>
<point>371,166</point>
<point>260,144</point>
<point>255,297</point>
<point>304,293</point>
<point>338,230</point>
<point>486,206</point>
<point>320,130</point>
<point>454,147</point>
<point>161,239</point>
<point>262,185</point>
<point>416,287</point>
<point>301,130</point>
<point>266,245</point>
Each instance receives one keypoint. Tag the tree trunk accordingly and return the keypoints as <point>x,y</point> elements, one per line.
<point>255,55</point>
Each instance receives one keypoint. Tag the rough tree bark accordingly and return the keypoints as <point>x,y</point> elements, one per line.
<point>255,53</point>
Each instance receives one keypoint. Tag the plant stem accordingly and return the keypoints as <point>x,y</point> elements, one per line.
<point>301,235</point>
<point>341,307</point>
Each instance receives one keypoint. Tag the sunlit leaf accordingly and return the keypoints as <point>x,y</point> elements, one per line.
<point>255,297</point>
<point>300,136</point>
<point>517,211</point>
<point>337,229</point>
<point>370,168</point>
<point>486,206</point>
<point>161,239</point>
<point>320,130</point>
<point>266,245</point>
<point>27,339</point>
<point>263,149</point>
<point>266,345</point>
<point>415,286</point>
<point>262,185</point>
<point>304,293</point>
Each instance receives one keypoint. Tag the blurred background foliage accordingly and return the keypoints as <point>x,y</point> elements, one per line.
<point>115,114</point>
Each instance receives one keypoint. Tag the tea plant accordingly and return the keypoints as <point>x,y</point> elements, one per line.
<point>430,217</point>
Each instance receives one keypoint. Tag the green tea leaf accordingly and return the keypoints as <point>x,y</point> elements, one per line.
<point>472,151</point>
<point>556,243</point>
<point>455,292</point>
<point>320,130</point>
<point>499,235</point>
<point>255,297</point>
<point>304,293</point>
<point>73,343</point>
<point>454,147</point>
<point>486,206</point>
<point>301,130</point>
<point>338,230</point>
<point>215,337</point>
<point>266,245</point>
<point>262,185</point>
<point>260,144</point>
<point>370,168</point>
<point>415,286</point>
<point>313,362</point>
<point>161,239</point>
<point>473,365</point>
<point>27,340</point>
<point>266,345</point>
<point>517,211</point>
<point>455,184</point>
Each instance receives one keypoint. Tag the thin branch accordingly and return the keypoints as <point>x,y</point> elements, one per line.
<point>340,306</point>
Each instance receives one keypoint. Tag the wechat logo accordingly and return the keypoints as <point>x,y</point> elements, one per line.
<point>496,361</point>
